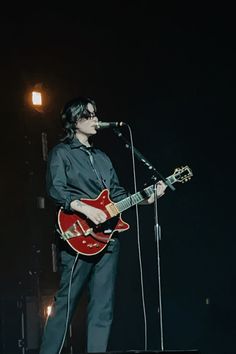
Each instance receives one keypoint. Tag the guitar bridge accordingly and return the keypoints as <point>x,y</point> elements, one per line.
<point>88,232</point>
<point>69,233</point>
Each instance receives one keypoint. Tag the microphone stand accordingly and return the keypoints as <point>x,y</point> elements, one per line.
<point>157,228</point>
<point>141,158</point>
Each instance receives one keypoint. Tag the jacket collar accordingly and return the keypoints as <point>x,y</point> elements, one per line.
<point>75,144</point>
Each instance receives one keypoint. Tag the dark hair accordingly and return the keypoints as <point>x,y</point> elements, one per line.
<point>72,111</point>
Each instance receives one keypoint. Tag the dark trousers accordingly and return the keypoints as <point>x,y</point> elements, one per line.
<point>100,274</point>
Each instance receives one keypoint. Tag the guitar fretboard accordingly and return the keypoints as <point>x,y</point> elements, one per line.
<point>138,197</point>
<point>134,199</point>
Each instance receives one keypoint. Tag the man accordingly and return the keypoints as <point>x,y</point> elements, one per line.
<point>76,169</point>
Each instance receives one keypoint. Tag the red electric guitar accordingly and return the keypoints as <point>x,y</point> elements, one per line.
<point>89,239</point>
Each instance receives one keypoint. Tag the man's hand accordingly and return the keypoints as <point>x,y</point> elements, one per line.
<point>96,215</point>
<point>161,187</point>
<point>160,191</point>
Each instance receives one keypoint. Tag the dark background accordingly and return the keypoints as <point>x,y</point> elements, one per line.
<point>170,74</point>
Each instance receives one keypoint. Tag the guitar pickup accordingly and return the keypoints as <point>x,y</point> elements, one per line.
<point>112,209</point>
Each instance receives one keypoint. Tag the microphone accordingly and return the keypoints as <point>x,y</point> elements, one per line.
<point>104,125</point>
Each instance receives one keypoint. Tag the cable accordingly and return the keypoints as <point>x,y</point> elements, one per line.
<point>138,241</point>
<point>68,303</point>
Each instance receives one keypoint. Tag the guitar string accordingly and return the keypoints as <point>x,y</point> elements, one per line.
<point>139,245</point>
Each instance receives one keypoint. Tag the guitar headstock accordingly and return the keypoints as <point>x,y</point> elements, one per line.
<point>182,174</point>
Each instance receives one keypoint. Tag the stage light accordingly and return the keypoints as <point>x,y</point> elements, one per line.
<point>48,310</point>
<point>36,98</point>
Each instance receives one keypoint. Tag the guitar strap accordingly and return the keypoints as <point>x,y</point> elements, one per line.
<point>99,177</point>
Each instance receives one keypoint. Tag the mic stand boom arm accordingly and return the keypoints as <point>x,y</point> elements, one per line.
<point>143,159</point>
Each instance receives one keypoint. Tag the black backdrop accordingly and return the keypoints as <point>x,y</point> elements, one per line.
<point>170,75</point>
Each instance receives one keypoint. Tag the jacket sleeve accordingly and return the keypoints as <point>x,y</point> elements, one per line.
<point>56,181</point>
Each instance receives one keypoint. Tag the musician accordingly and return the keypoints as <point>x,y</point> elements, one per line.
<point>76,169</point>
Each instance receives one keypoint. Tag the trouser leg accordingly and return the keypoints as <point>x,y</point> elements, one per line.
<point>101,300</point>
<point>56,323</point>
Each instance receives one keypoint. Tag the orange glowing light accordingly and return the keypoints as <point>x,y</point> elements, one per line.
<point>37,98</point>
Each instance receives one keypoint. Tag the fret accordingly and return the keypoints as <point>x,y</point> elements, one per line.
<point>171,179</point>
<point>134,199</point>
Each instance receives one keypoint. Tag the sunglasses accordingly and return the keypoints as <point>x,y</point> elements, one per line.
<point>88,115</point>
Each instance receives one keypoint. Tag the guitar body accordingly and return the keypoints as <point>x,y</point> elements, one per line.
<point>82,234</point>
<point>89,239</point>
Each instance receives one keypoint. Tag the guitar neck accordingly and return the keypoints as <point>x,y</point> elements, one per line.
<point>138,197</point>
